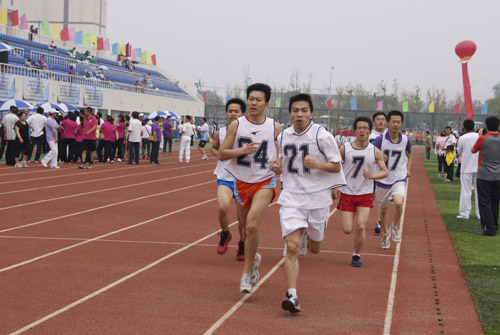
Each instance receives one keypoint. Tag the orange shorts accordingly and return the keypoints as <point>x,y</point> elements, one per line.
<point>349,203</point>
<point>244,192</point>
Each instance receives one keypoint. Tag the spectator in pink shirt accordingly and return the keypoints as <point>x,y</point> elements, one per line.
<point>109,134</point>
<point>78,141</point>
<point>68,136</point>
<point>89,139</point>
<point>120,127</point>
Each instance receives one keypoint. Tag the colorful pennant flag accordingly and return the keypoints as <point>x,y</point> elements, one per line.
<point>100,43</point>
<point>329,104</point>
<point>93,40</point>
<point>404,106</point>
<point>45,27</point>
<point>353,104</point>
<point>86,39</point>
<point>148,57</point>
<point>380,105</point>
<point>153,59</point>
<point>277,103</point>
<point>431,107</point>
<point>24,24</point>
<point>139,53</point>
<point>65,34</point>
<point>14,18</point>
<point>71,34</point>
<point>204,96</point>
<point>114,48</point>
<point>3,17</point>
<point>134,53</point>
<point>79,37</point>
<point>457,109</point>
<point>106,44</point>
<point>56,32</point>
<point>143,57</point>
<point>484,109</point>
<point>123,50</point>
<point>128,50</point>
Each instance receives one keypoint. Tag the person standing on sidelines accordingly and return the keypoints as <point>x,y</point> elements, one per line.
<point>134,138</point>
<point>235,108</point>
<point>37,123</point>
<point>51,128</point>
<point>10,135</point>
<point>250,144</point>
<point>155,145</point>
<point>379,124</point>
<point>468,171</point>
<point>488,177</point>
<point>203,130</point>
<point>23,146</point>
<point>392,189</point>
<point>186,130</point>
<point>167,135</point>
<point>449,147</point>
<point>89,139</point>
<point>360,160</point>
<point>311,165</point>
<point>428,145</point>
<point>441,153</point>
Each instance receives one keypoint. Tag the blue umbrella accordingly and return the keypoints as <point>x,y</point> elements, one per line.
<point>5,47</point>
<point>48,106</point>
<point>174,116</point>
<point>65,108</point>
<point>151,116</point>
<point>18,103</point>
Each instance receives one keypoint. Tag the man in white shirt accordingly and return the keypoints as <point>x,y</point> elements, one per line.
<point>10,135</point>
<point>134,139</point>
<point>468,171</point>
<point>186,130</point>
<point>37,123</point>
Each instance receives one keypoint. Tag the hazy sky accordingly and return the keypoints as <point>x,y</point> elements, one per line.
<point>366,41</point>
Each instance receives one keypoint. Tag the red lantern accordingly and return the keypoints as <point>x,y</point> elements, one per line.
<point>465,50</point>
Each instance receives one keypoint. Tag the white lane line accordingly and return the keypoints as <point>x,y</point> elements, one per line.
<point>102,207</point>
<point>102,236</point>
<point>99,191</point>
<point>394,277</point>
<point>236,306</point>
<point>121,176</point>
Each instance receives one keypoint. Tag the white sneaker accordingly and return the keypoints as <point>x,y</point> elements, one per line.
<point>18,165</point>
<point>55,167</point>
<point>254,272</point>
<point>396,236</point>
<point>24,164</point>
<point>43,164</point>
<point>119,159</point>
<point>463,217</point>
<point>204,158</point>
<point>291,304</point>
<point>180,160</point>
<point>385,240</point>
<point>245,286</point>
<point>303,244</point>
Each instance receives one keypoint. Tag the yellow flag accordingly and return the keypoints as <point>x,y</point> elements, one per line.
<point>3,17</point>
<point>123,49</point>
<point>56,32</point>
<point>148,56</point>
<point>431,107</point>
<point>93,39</point>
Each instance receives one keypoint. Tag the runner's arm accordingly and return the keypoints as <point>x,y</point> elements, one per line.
<point>379,159</point>
<point>215,145</point>
<point>226,150</point>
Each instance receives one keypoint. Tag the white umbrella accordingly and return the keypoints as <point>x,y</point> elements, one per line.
<point>18,103</point>
<point>174,116</point>
<point>5,47</point>
<point>151,116</point>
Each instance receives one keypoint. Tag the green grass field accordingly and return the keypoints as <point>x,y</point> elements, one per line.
<point>478,256</point>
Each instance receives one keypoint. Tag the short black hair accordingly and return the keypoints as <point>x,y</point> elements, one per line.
<point>300,97</point>
<point>169,117</point>
<point>39,110</point>
<point>260,88</point>
<point>469,125</point>
<point>492,123</point>
<point>237,101</point>
<point>377,114</point>
<point>157,117</point>
<point>89,109</point>
<point>447,128</point>
<point>13,109</point>
<point>395,113</point>
<point>204,119</point>
<point>427,132</point>
<point>135,114</point>
<point>188,117</point>
<point>363,119</point>
<point>72,116</point>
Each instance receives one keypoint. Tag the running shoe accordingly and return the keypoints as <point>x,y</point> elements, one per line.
<point>254,272</point>
<point>18,165</point>
<point>225,237</point>
<point>385,240</point>
<point>43,164</point>
<point>245,285</point>
<point>439,174</point>
<point>290,304</point>
<point>82,166</point>
<point>240,253</point>
<point>378,228</point>
<point>119,159</point>
<point>91,166</point>
<point>303,244</point>
<point>55,167</point>
<point>24,164</point>
<point>356,262</point>
<point>396,236</point>
<point>204,158</point>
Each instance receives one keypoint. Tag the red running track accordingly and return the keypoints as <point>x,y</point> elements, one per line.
<point>131,250</point>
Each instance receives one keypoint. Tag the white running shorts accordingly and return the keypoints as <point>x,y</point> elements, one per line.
<point>314,220</point>
<point>385,196</point>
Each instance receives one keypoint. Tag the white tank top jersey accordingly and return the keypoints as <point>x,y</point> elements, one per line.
<point>220,169</point>
<point>316,142</point>
<point>356,161</point>
<point>373,135</point>
<point>397,160</point>
<point>257,167</point>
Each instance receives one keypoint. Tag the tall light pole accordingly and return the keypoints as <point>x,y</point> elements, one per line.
<point>330,94</point>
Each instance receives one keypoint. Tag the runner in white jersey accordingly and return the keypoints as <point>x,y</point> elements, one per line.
<point>250,144</point>
<point>379,123</point>
<point>362,164</point>
<point>311,167</point>
<point>392,190</point>
<point>235,108</point>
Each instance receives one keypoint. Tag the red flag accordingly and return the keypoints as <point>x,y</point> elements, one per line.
<point>100,43</point>
<point>329,104</point>
<point>153,59</point>
<point>14,18</point>
<point>204,96</point>
<point>65,34</point>
<point>127,50</point>
<point>457,109</point>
